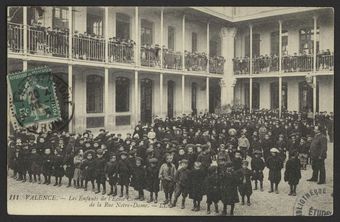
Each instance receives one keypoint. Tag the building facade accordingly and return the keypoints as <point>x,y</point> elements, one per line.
<point>130,64</point>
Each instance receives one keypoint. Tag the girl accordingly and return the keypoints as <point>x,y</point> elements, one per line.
<point>274,164</point>
<point>292,173</point>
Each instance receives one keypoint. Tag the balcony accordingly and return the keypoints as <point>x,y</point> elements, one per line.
<point>15,37</point>
<point>297,63</point>
<point>325,62</point>
<point>150,56</point>
<point>171,59</point>
<point>195,61</point>
<point>88,47</point>
<point>121,51</point>
<point>241,66</point>
<point>265,64</point>
<point>47,42</point>
<point>216,65</point>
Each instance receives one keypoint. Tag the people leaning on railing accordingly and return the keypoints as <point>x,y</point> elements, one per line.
<point>171,59</point>
<point>216,64</point>
<point>121,50</point>
<point>195,61</point>
<point>241,65</point>
<point>88,46</point>
<point>150,55</point>
<point>325,60</point>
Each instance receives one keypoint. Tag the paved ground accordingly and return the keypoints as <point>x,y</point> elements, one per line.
<point>70,201</point>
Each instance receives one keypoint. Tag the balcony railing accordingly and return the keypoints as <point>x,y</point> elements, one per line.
<point>216,64</point>
<point>264,64</point>
<point>15,37</point>
<point>297,63</point>
<point>324,62</point>
<point>88,47</point>
<point>241,66</point>
<point>150,56</point>
<point>195,61</point>
<point>44,41</point>
<point>172,60</point>
<point>122,52</point>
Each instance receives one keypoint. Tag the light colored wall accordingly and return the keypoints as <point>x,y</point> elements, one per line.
<point>201,30</point>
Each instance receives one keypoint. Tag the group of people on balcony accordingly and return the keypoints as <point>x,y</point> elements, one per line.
<point>301,62</point>
<point>121,50</point>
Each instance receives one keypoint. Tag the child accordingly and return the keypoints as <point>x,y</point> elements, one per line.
<point>36,162</point>
<point>166,175</point>
<point>69,172</point>
<point>257,166</point>
<point>152,179</point>
<point>47,166</point>
<point>274,164</point>
<point>58,167</point>
<point>138,178</point>
<point>182,182</point>
<point>244,187</point>
<point>24,162</point>
<point>228,186</point>
<point>124,173</point>
<point>196,192</point>
<point>111,168</point>
<point>292,173</point>
<point>303,153</point>
<point>237,161</point>
<point>88,168</point>
<point>212,187</point>
<point>77,174</point>
<point>99,172</point>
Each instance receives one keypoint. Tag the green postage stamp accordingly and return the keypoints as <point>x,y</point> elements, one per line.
<point>32,97</point>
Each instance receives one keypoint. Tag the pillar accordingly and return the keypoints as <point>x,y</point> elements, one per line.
<point>162,32</point>
<point>137,50</point>
<point>315,19</point>
<point>106,33</point>
<point>183,42</point>
<point>136,97</point>
<point>208,45</point>
<point>250,49</point>
<point>227,36</point>
<point>207,93</point>
<point>280,96</point>
<point>250,94</point>
<point>25,28</point>
<point>70,90</point>
<point>161,94</point>
<point>183,94</point>
<point>106,97</point>
<point>70,33</point>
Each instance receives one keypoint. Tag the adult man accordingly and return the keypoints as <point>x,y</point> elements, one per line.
<point>318,152</point>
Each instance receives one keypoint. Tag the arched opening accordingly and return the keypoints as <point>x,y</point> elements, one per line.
<point>146,100</point>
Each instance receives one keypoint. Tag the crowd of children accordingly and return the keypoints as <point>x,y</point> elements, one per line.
<point>188,156</point>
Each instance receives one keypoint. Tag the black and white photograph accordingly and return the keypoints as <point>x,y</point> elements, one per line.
<point>170,110</point>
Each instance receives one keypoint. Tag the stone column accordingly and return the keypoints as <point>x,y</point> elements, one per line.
<point>227,36</point>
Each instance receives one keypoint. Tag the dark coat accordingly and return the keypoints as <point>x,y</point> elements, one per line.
<point>47,164</point>
<point>318,147</point>
<point>196,177</point>
<point>152,180</point>
<point>257,166</point>
<point>100,169</point>
<point>88,168</point>
<point>244,186</point>
<point>293,171</point>
<point>69,172</point>
<point>274,164</point>
<point>36,163</point>
<point>138,177</point>
<point>124,172</point>
<point>228,186</point>
<point>205,159</point>
<point>111,170</point>
<point>58,166</point>
<point>212,188</point>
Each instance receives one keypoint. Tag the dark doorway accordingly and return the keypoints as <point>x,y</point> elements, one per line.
<point>255,96</point>
<point>171,89</point>
<point>306,97</point>
<point>214,96</point>
<point>146,100</point>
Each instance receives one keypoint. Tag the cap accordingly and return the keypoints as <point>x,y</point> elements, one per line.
<point>257,152</point>
<point>274,150</point>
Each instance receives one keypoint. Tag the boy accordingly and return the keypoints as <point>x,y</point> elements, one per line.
<point>212,187</point>
<point>166,175</point>
<point>35,160</point>
<point>303,150</point>
<point>237,161</point>
<point>292,173</point>
<point>244,186</point>
<point>152,179</point>
<point>99,164</point>
<point>88,168</point>
<point>47,166</point>
<point>111,168</point>
<point>274,164</point>
<point>257,166</point>
<point>24,162</point>
<point>124,172</point>
<point>77,174</point>
<point>196,178</point>
<point>58,167</point>
<point>243,144</point>
<point>182,182</point>
<point>138,178</point>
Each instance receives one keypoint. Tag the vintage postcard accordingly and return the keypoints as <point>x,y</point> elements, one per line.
<point>176,111</point>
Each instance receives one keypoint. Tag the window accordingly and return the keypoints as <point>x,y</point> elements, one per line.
<point>274,98</point>
<point>60,17</point>
<point>171,38</point>
<point>256,45</point>
<point>146,32</point>
<point>194,98</point>
<point>94,94</point>
<point>307,40</point>
<point>213,48</point>
<point>306,97</point>
<point>194,42</point>
<point>122,94</point>
<point>255,96</point>
<point>122,26</point>
<point>94,24</point>
<point>274,43</point>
